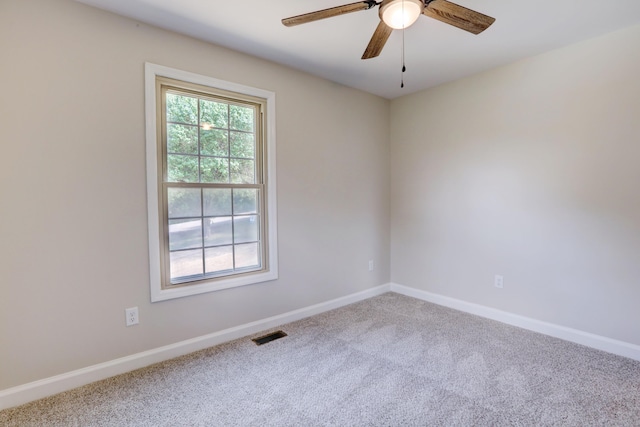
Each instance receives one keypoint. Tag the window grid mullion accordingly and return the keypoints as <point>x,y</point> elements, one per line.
<point>210,185</point>
<point>233,232</point>
<point>199,148</point>
<point>229,147</point>
<point>204,264</point>
<point>233,223</point>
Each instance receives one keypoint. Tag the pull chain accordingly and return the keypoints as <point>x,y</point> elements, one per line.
<point>404,68</point>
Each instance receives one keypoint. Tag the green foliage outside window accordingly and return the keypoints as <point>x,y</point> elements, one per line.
<point>209,141</point>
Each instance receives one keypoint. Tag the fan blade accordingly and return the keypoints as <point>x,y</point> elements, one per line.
<point>378,40</point>
<point>458,16</point>
<point>328,13</point>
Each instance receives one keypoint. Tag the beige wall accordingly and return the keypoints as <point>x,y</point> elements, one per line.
<point>73,227</point>
<point>530,171</point>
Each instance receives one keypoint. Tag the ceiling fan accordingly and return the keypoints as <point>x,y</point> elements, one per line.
<point>398,14</point>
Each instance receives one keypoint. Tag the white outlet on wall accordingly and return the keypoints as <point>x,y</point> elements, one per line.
<point>131,316</point>
<point>370,265</point>
<point>498,281</point>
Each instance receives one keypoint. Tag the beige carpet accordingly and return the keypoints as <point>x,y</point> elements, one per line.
<point>387,361</point>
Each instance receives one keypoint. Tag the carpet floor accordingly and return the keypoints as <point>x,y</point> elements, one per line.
<point>387,361</point>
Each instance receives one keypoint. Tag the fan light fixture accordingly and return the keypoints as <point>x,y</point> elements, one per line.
<point>399,14</point>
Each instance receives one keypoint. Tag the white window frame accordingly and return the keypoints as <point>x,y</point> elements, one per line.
<point>153,154</point>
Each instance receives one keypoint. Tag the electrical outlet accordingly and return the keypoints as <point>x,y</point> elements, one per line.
<point>131,315</point>
<point>370,265</point>
<point>498,281</point>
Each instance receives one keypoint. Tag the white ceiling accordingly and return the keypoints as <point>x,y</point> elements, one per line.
<point>331,48</point>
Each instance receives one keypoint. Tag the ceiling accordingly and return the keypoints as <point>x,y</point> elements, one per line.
<point>331,48</point>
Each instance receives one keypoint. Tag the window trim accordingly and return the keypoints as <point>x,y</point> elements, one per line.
<point>154,208</point>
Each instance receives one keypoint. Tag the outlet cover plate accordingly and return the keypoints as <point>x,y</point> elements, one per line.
<point>131,316</point>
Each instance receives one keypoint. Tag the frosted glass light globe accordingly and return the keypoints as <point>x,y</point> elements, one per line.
<point>399,14</point>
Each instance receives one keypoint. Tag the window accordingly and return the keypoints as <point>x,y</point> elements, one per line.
<point>211,183</point>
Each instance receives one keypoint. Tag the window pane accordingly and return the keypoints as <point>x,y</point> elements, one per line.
<point>242,145</point>
<point>247,255</point>
<point>241,118</point>
<point>182,109</point>
<point>214,114</point>
<point>183,202</point>
<point>218,231</point>
<point>245,228</point>
<point>185,263</point>
<point>214,142</point>
<point>215,170</point>
<point>218,259</point>
<point>182,139</point>
<point>185,233</point>
<point>245,201</point>
<point>217,201</point>
<point>182,168</point>
<point>243,171</point>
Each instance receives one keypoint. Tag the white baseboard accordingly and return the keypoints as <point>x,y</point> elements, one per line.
<point>46,387</point>
<point>609,345</point>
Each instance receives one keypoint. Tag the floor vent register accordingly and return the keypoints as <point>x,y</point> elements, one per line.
<point>269,337</point>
